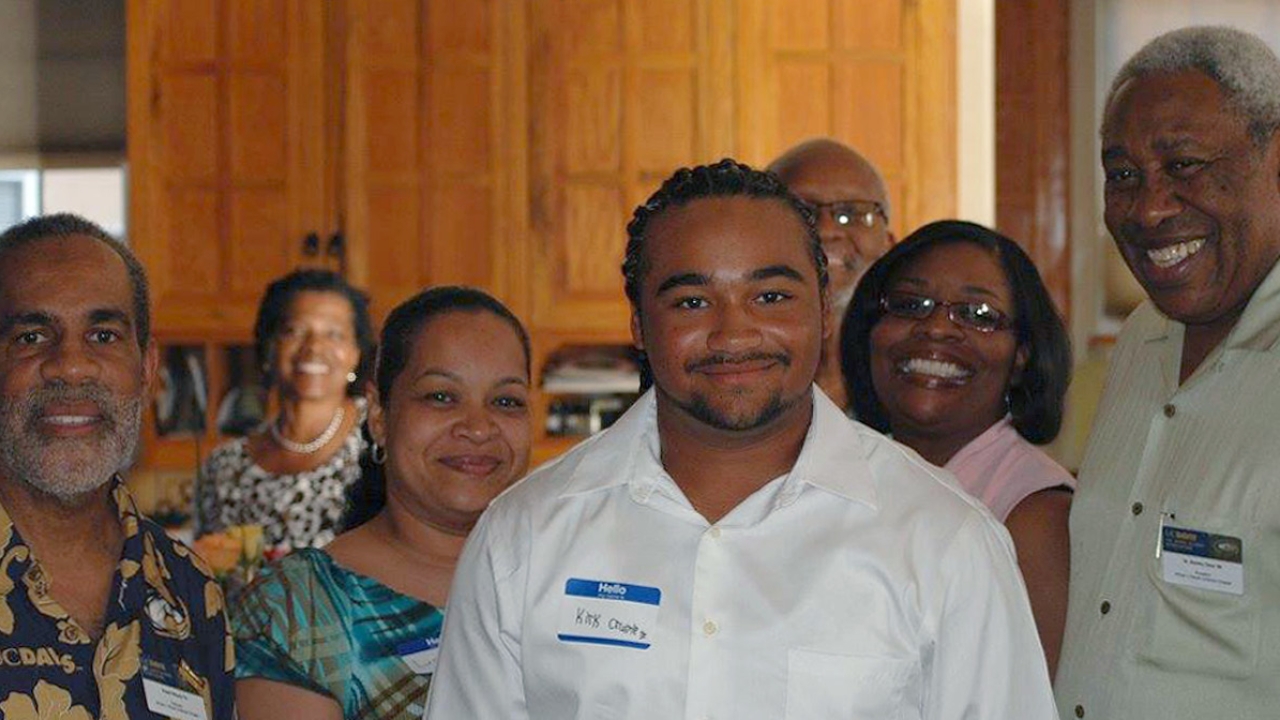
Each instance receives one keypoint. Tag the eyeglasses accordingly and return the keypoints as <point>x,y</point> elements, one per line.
<point>978,316</point>
<point>849,212</point>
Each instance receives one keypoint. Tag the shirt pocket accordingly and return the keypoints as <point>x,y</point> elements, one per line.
<point>1201,632</point>
<point>824,685</point>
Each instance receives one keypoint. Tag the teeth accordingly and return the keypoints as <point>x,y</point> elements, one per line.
<point>1170,255</point>
<point>936,368</point>
<point>69,420</point>
<point>312,368</point>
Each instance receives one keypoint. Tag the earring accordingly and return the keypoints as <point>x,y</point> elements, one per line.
<point>351,376</point>
<point>378,454</point>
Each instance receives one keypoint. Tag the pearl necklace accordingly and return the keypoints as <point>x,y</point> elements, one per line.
<point>308,448</point>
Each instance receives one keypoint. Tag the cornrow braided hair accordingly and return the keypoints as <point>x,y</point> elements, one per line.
<point>726,178</point>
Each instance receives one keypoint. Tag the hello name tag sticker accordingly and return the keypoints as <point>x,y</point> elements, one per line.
<point>420,655</point>
<point>600,612</point>
<point>1199,559</point>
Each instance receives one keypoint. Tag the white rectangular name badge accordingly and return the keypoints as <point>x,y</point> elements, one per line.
<point>1198,559</point>
<point>609,613</point>
<point>420,655</point>
<point>169,701</point>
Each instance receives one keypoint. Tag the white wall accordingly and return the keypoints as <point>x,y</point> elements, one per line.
<point>976,111</point>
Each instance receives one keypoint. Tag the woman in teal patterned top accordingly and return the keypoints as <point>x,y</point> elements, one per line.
<point>351,631</point>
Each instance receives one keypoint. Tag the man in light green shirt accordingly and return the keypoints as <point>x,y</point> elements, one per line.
<point>1175,585</point>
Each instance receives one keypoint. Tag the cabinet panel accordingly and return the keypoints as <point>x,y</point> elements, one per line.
<point>616,104</point>
<point>225,152</point>
<point>876,74</point>
<point>425,115</point>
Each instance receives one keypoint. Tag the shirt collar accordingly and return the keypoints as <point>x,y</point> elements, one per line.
<point>833,458</point>
<point>1258,328</point>
<point>121,499</point>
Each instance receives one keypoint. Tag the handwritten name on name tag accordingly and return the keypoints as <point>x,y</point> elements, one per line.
<point>609,613</point>
<point>1194,558</point>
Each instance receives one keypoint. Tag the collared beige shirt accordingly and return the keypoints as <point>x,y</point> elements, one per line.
<point>1204,456</point>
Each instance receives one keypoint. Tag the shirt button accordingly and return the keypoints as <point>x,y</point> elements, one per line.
<point>714,533</point>
<point>1137,508</point>
<point>1106,607</point>
<point>1170,410</point>
<point>709,628</point>
<point>1079,711</point>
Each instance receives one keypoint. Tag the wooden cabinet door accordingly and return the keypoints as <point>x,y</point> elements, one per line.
<point>621,92</point>
<point>226,128</point>
<point>425,173</point>
<point>876,74</point>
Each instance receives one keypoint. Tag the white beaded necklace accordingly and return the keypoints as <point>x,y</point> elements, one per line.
<point>308,448</point>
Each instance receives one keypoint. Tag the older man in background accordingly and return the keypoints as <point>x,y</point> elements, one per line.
<point>1175,589</point>
<point>101,614</point>
<point>848,197</point>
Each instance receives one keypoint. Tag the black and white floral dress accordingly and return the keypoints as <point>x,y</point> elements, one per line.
<point>300,510</point>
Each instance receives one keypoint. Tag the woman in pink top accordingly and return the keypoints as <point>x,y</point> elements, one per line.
<point>953,345</point>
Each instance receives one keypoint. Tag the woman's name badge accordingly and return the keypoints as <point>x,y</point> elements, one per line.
<point>1198,559</point>
<point>609,613</point>
<point>420,655</point>
<point>165,698</point>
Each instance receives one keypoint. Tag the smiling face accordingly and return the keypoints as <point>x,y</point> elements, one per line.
<point>933,377</point>
<point>72,376</point>
<point>1192,202</point>
<point>456,427</point>
<point>315,347</point>
<point>730,314</point>
<point>829,177</point>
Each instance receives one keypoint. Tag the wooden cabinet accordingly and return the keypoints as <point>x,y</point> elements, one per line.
<point>226,129</point>
<point>497,143</point>
<point>426,163</point>
<point>620,94</point>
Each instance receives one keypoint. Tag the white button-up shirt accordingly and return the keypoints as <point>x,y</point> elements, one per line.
<point>1202,456</point>
<point>862,584</point>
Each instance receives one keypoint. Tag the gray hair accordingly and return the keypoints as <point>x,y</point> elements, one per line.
<point>64,225</point>
<point>1242,64</point>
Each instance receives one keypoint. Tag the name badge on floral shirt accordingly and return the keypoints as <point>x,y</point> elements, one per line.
<point>166,698</point>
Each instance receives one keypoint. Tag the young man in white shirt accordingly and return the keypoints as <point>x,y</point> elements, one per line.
<point>734,547</point>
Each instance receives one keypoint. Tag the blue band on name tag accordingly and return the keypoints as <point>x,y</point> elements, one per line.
<point>1202,544</point>
<point>418,645</point>
<point>613,591</point>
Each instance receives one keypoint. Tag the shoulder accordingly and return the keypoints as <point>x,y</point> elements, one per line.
<point>548,481</point>
<point>904,481</point>
<point>303,571</point>
<point>1043,514</point>
<point>230,457</point>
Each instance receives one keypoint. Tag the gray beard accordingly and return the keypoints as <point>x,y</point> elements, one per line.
<point>67,468</point>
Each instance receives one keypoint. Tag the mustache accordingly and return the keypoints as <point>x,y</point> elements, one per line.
<point>727,359</point>
<point>38,400</point>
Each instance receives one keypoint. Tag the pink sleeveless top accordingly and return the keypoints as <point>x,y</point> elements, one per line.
<point>1000,468</point>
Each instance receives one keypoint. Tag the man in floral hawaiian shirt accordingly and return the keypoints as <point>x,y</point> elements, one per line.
<point>101,614</point>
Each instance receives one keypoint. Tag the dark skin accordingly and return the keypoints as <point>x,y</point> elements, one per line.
<point>81,290</point>
<point>78,545</point>
<point>824,171</point>
<point>730,278</point>
<point>456,431</point>
<point>318,333</point>
<point>1184,172</point>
